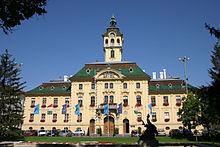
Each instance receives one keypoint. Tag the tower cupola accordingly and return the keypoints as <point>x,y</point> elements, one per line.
<point>113,41</point>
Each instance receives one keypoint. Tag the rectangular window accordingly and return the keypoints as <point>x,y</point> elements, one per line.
<point>106,99</point>
<point>31,116</point>
<point>165,99</point>
<point>33,101</point>
<point>178,99</point>
<point>54,116</point>
<point>44,101</point>
<point>153,100</point>
<point>79,119</point>
<point>138,98</point>
<point>138,85</point>
<point>166,115</point>
<point>139,117</point>
<point>80,86</point>
<point>111,85</point>
<point>178,115</point>
<point>125,100</point>
<point>55,101</point>
<point>43,115</point>
<point>106,85</point>
<point>67,101</point>
<point>92,101</point>
<point>93,86</point>
<point>154,116</point>
<point>111,99</point>
<point>125,86</point>
<point>66,117</point>
<point>80,101</point>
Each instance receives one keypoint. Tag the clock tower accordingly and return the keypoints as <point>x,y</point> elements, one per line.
<point>113,41</point>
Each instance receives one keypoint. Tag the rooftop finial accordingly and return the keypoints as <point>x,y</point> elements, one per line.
<point>113,22</point>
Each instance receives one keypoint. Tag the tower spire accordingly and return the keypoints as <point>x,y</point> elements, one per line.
<point>113,22</point>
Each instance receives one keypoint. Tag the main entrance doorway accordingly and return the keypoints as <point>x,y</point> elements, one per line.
<point>125,126</point>
<point>92,126</point>
<point>109,125</point>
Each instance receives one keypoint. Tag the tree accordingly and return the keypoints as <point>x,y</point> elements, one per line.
<point>190,111</point>
<point>11,91</point>
<point>213,31</point>
<point>213,89</point>
<point>12,12</point>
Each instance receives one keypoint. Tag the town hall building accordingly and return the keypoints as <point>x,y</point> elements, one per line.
<point>129,92</point>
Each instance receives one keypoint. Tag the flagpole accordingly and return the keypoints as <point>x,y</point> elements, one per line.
<point>108,121</point>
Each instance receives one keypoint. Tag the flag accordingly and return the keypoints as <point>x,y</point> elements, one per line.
<point>50,109</point>
<point>36,109</point>
<point>136,110</point>
<point>77,111</point>
<point>150,107</point>
<point>120,108</point>
<point>64,109</point>
<point>106,109</point>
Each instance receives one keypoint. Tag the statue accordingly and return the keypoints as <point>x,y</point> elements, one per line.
<point>148,137</point>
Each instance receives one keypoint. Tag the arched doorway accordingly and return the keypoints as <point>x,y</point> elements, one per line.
<point>109,125</point>
<point>92,126</point>
<point>125,126</point>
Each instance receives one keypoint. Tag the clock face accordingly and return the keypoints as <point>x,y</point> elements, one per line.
<point>112,35</point>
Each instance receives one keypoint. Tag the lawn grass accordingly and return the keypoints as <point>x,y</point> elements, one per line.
<point>119,140</point>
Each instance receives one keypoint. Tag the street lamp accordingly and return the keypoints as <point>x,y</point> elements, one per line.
<point>184,59</point>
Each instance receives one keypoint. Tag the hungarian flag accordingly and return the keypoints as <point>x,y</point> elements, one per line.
<point>50,109</point>
<point>136,110</point>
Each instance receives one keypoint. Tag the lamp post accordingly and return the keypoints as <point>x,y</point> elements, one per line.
<point>184,59</point>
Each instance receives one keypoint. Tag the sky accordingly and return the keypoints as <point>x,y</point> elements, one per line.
<point>156,34</point>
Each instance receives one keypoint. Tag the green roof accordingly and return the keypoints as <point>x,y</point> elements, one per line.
<point>51,89</point>
<point>129,70</point>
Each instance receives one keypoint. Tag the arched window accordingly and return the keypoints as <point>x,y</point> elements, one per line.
<point>106,41</point>
<point>118,41</point>
<point>112,54</point>
<point>112,41</point>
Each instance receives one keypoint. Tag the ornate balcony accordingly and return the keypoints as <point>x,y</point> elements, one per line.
<point>111,106</point>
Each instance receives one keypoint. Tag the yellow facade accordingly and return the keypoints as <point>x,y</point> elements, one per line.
<point>111,82</point>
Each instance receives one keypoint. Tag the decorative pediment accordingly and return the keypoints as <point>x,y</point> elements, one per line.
<point>79,93</point>
<point>109,74</point>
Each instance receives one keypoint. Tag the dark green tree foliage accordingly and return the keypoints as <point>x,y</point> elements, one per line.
<point>213,31</point>
<point>11,91</point>
<point>190,111</point>
<point>12,12</point>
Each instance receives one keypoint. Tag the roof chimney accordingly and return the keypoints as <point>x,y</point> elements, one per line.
<point>154,75</point>
<point>161,75</point>
<point>65,78</point>
<point>164,74</point>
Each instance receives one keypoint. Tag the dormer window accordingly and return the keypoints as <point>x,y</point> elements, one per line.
<point>64,87</point>
<point>52,87</point>
<point>40,88</point>
<point>170,85</point>
<point>157,86</point>
<point>88,71</point>
<point>131,69</point>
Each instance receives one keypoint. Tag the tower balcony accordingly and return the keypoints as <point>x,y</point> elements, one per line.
<point>113,45</point>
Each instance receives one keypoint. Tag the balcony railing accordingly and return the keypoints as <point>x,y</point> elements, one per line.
<point>111,106</point>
